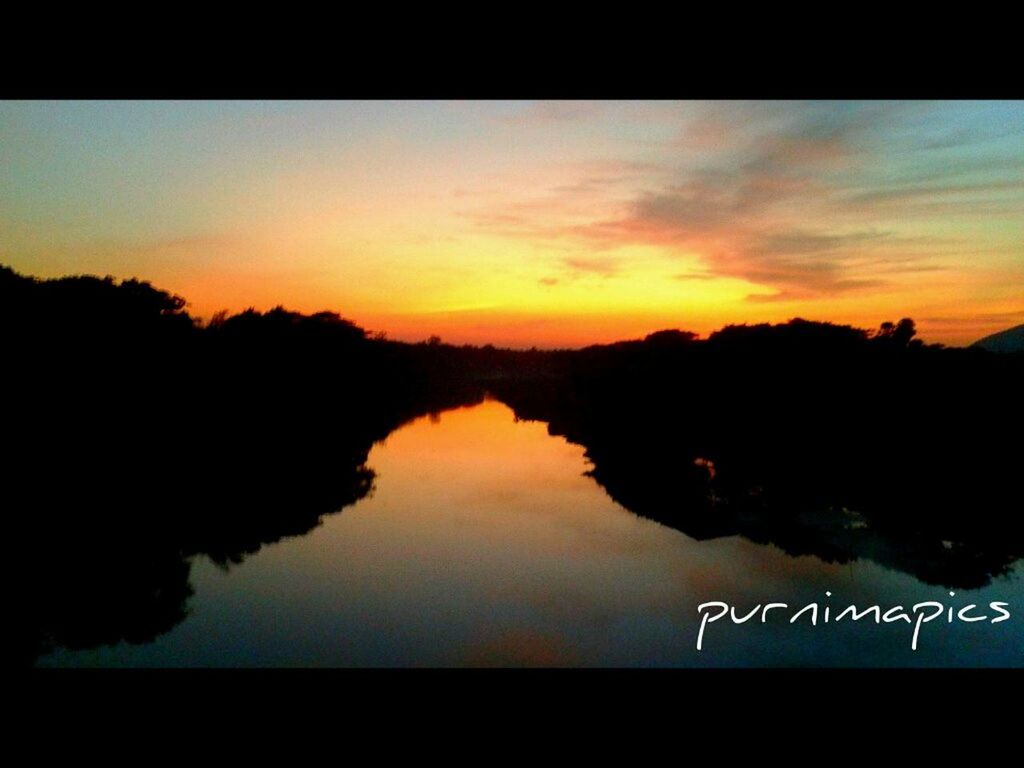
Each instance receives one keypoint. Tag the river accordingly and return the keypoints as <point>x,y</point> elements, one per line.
<point>484,542</point>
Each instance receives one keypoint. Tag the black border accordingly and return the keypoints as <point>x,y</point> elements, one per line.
<point>686,60</point>
<point>727,52</point>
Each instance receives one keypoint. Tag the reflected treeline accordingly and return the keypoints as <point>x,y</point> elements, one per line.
<point>137,437</point>
<point>821,439</point>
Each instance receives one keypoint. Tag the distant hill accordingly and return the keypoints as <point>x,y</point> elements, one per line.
<point>1010,340</point>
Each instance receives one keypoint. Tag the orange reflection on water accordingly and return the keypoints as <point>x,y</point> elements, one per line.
<point>485,543</point>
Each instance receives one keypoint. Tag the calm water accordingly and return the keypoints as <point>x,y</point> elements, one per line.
<point>485,543</point>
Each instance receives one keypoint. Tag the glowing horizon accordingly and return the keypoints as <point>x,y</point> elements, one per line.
<point>533,223</point>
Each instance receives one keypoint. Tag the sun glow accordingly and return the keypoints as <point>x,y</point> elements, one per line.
<point>533,224</point>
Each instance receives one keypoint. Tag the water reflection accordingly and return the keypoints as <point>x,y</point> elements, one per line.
<point>486,542</point>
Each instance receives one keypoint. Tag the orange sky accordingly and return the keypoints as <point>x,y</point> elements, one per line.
<point>548,224</point>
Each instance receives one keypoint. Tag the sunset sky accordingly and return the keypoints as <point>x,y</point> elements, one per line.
<point>533,223</point>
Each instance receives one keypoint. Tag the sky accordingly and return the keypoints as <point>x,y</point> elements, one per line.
<point>549,224</point>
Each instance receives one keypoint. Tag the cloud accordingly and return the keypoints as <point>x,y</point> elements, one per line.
<point>775,203</point>
<point>542,112</point>
<point>596,265</point>
<point>980,318</point>
<point>968,199</point>
<point>827,287</point>
<point>802,242</point>
<point>804,199</point>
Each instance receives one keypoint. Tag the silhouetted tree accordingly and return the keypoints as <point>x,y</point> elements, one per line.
<point>899,334</point>
<point>141,439</point>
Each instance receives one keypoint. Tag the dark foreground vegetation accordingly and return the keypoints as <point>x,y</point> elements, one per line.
<point>137,437</point>
<point>821,439</point>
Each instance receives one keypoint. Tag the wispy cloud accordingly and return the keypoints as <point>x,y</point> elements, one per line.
<point>606,267</point>
<point>804,199</point>
<point>541,112</point>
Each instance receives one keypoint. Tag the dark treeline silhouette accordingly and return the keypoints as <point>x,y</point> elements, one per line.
<point>821,439</point>
<point>138,437</point>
